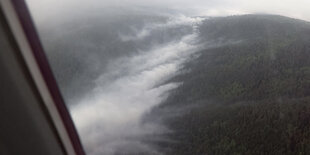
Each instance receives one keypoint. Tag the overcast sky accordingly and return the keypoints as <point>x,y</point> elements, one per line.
<point>291,8</point>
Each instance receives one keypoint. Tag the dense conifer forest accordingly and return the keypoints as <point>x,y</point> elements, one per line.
<point>249,93</point>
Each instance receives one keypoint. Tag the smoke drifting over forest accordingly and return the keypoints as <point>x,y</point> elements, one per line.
<point>118,61</point>
<point>110,118</point>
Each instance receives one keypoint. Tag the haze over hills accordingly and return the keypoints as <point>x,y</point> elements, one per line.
<point>175,84</point>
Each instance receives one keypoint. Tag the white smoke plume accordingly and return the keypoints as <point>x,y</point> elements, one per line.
<point>109,118</point>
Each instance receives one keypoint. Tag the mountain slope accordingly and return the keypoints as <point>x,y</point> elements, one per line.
<point>249,91</point>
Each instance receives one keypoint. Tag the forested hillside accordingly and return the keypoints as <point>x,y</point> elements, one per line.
<point>249,91</point>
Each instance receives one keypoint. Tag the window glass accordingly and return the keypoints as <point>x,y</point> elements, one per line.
<point>182,76</point>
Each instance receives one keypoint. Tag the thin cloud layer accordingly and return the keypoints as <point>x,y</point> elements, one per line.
<point>43,9</point>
